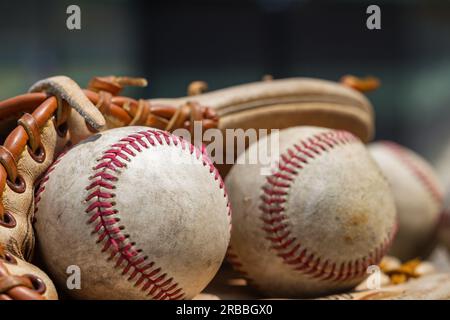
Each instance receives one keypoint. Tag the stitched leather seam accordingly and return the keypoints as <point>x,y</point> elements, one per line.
<point>106,218</point>
<point>278,232</point>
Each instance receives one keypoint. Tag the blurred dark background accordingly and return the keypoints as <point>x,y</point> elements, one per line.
<point>224,43</point>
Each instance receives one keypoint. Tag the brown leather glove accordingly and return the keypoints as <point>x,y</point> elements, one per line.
<point>269,104</point>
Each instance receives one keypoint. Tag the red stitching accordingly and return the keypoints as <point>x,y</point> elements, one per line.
<point>45,178</point>
<point>404,157</point>
<point>277,231</point>
<point>235,262</point>
<point>102,207</point>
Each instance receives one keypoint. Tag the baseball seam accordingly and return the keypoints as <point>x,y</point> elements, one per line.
<point>101,206</point>
<point>415,169</point>
<point>235,262</point>
<point>45,178</point>
<point>277,230</point>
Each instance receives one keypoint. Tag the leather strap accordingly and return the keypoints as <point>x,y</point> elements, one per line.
<point>142,113</point>
<point>127,111</point>
<point>9,282</point>
<point>19,104</point>
<point>28,122</point>
<point>114,85</point>
<point>104,102</point>
<point>365,84</point>
<point>14,287</point>
<point>9,163</point>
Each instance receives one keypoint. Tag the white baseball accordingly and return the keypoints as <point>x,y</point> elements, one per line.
<point>141,212</point>
<point>418,198</point>
<point>314,225</point>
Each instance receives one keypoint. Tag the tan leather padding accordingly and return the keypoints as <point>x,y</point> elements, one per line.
<point>280,104</point>
<point>20,240</point>
<point>312,114</point>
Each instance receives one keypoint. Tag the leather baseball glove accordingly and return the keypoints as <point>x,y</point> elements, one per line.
<point>46,127</point>
<point>269,104</point>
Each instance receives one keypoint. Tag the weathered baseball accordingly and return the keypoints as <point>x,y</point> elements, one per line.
<point>418,198</point>
<point>317,222</point>
<point>142,213</point>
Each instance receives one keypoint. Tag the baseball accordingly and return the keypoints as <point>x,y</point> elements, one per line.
<point>317,222</point>
<point>418,198</point>
<point>142,213</point>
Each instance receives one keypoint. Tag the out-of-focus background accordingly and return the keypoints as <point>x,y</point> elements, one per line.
<point>231,42</point>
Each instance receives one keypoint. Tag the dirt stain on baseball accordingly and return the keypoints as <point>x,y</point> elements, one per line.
<point>358,218</point>
<point>355,219</point>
